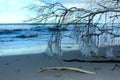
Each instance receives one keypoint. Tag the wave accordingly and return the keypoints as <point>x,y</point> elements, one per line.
<point>27,36</point>
<point>48,28</point>
<point>33,29</point>
<point>6,32</point>
<point>6,40</point>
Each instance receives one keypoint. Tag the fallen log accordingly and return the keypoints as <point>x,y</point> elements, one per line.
<point>92,61</point>
<point>67,68</point>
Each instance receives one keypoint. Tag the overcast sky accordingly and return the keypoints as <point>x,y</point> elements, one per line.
<point>14,11</point>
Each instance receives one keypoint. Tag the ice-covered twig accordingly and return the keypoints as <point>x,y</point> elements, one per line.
<point>66,68</point>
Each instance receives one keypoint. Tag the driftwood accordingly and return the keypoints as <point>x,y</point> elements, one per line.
<point>67,68</point>
<point>92,61</point>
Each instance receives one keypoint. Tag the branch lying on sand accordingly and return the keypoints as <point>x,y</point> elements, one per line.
<point>115,66</point>
<point>92,61</point>
<point>66,68</point>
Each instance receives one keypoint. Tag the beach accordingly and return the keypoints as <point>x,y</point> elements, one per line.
<point>60,40</point>
<point>26,67</point>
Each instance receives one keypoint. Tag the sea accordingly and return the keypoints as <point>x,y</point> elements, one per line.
<point>20,39</point>
<point>32,38</point>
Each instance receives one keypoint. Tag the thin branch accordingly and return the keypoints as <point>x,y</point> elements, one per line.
<point>67,68</point>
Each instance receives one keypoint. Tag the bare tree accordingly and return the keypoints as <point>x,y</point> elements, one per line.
<point>99,24</point>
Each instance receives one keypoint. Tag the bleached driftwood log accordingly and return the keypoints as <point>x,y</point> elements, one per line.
<point>66,68</point>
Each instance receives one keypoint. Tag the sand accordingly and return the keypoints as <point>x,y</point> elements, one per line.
<point>26,67</point>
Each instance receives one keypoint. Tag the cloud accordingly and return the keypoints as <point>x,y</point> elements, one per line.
<point>14,11</point>
<point>74,1</point>
<point>78,5</point>
<point>11,18</point>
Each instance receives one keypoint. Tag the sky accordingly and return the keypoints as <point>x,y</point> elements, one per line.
<point>16,11</point>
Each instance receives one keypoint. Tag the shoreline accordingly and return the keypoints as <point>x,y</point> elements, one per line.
<point>39,49</point>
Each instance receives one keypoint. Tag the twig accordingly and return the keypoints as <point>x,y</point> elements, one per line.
<point>66,68</point>
<point>115,66</point>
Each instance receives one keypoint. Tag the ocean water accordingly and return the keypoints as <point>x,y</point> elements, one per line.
<point>18,39</point>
